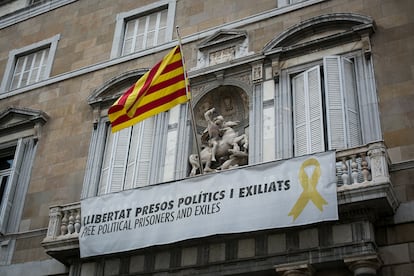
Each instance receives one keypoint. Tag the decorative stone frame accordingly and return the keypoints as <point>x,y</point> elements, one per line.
<point>307,42</point>
<point>222,47</point>
<point>50,43</point>
<point>20,128</point>
<point>123,17</point>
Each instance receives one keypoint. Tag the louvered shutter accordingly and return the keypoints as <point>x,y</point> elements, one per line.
<point>119,159</point>
<point>146,140</point>
<point>131,171</point>
<point>114,164</point>
<point>12,181</point>
<point>299,115</point>
<point>307,109</point>
<point>353,126</point>
<point>335,115</point>
<point>341,103</point>
<point>106,164</point>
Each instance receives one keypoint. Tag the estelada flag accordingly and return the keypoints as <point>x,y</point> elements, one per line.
<point>158,90</point>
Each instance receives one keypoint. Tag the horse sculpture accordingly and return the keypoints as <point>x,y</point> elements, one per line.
<point>225,153</point>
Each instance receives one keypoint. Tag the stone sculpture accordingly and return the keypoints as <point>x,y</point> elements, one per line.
<point>222,147</point>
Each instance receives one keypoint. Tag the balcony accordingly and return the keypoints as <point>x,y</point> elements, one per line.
<point>363,185</point>
<point>61,241</point>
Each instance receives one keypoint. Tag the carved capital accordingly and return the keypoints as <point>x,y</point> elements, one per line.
<point>365,265</point>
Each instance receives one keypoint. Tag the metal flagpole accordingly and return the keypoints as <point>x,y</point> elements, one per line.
<point>190,105</point>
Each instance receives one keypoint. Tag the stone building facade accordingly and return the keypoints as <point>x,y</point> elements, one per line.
<point>300,77</point>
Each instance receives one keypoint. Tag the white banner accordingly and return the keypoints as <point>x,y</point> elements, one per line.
<point>272,195</point>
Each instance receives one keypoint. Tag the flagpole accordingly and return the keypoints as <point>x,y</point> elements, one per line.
<point>190,105</point>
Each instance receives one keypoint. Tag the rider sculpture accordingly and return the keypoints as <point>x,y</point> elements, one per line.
<point>223,148</point>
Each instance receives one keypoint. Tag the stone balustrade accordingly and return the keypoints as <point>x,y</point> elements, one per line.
<point>362,174</point>
<point>64,222</point>
<point>361,166</point>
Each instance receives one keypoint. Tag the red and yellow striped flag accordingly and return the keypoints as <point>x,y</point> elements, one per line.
<point>159,90</point>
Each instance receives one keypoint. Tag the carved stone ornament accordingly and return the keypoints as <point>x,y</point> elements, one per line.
<point>222,147</point>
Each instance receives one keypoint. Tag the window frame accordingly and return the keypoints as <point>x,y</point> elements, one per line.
<point>367,101</point>
<point>15,54</point>
<point>130,160</point>
<point>124,17</point>
<point>168,157</point>
<point>166,124</point>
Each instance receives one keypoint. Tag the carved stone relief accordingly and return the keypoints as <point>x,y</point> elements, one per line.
<point>221,122</point>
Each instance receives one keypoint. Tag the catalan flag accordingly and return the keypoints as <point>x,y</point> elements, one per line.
<point>159,90</point>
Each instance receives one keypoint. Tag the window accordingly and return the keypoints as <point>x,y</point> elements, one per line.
<point>143,28</point>
<point>145,32</point>
<point>325,107</point>
<point>319,91</point>
<point>16,157</point>
<point>6,162</point>
<point>29,69</point>
<point>29,64</point>
<point>127,158</point>
<point>10,163</point>
<point>144,154</point>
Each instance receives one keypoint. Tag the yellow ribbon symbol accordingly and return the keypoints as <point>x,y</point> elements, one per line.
<point>309,188</point>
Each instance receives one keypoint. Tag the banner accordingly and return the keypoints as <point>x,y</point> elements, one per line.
<point>277,194</point>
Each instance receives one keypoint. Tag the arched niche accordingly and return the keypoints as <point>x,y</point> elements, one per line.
<point>232,103</point>
<point>229,101</point>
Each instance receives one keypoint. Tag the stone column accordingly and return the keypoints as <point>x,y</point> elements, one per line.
<point>363,266</point>
<point>295,269</point>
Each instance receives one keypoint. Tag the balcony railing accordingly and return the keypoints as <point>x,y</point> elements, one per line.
<point>362,177</point>
<point>63,230</point>
<point>360,166</point>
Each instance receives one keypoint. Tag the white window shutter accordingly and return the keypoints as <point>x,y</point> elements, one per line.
<point>351,104</point>
<point>335,114</point>
<point>11,185</point>
<point>341,103</point>
<point>145,141</point>
<point>131,171</point>
<point>106,163</point>
<point>119,159</point>
<point>317,141</point>
<point>114,163</point>
<point>307,108</point>
<point>299,118</point>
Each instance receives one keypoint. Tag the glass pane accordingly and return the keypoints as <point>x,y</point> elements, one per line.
<point>3,182</point>
<point>33,76</point>
<point>25,79</point>
<point>15,82</point>
<point>161,36</point>
<point>163,21</point>
<point>152,22</point>
<point>127,47</point>
<point>37,59</point>
<point>141,27</point>
<point>19,65</point>
<point>6,162</point>
<point>129,29</point>
<point>150,39</point>
<point>138,44</point>
<point>42,74</point>
<point>29,62</point>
